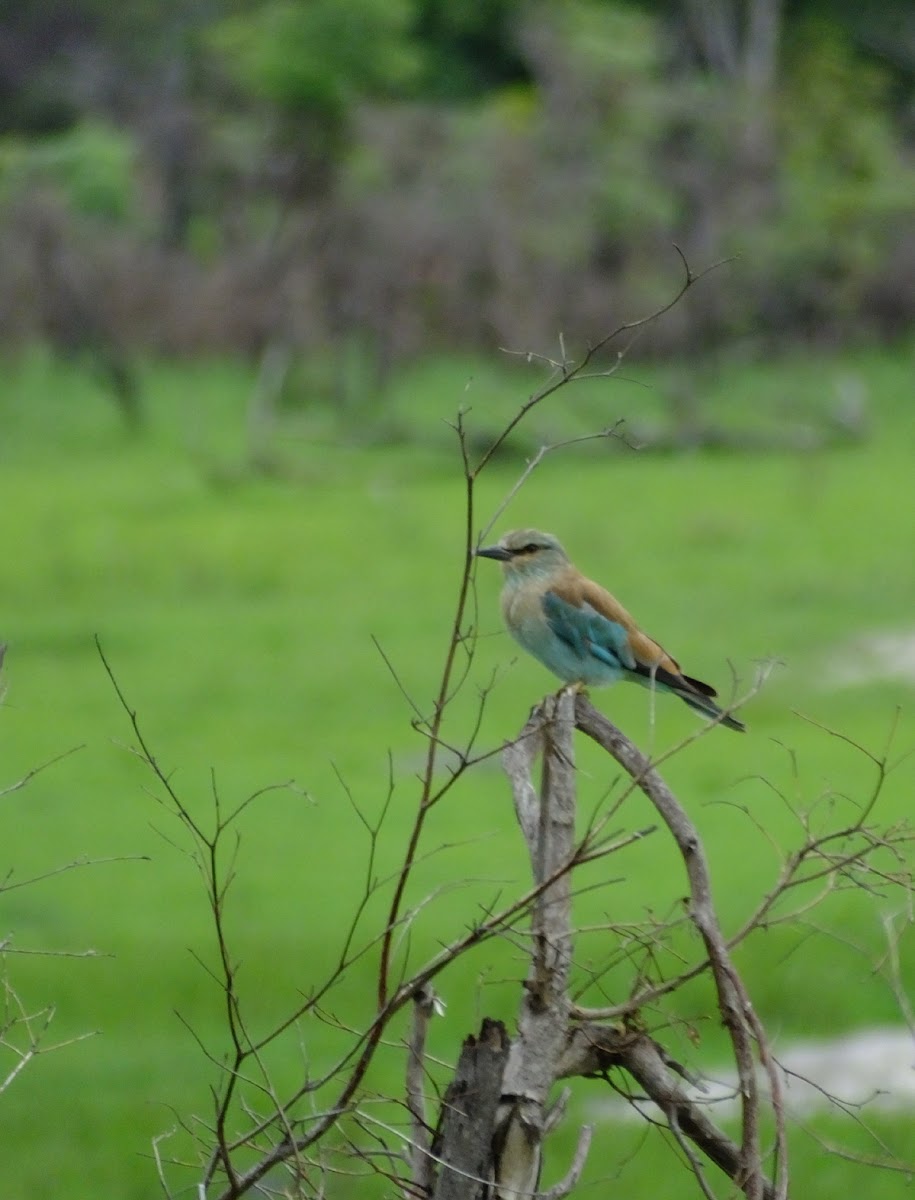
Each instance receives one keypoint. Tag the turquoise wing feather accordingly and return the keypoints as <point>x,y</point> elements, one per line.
<point>587,632</point>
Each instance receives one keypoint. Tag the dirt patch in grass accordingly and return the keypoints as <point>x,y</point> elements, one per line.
<point>873,657</point>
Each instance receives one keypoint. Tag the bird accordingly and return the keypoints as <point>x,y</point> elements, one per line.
<point>579,631</point>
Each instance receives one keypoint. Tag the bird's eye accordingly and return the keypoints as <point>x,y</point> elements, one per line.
<point>530,548</point>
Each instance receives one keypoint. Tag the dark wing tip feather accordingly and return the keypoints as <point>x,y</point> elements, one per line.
<point>705,688</point>
<point>711,710</point>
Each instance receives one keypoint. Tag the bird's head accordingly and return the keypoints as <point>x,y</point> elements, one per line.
<point>526,553</point>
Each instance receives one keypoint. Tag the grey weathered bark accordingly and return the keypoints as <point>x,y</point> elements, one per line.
<point>464,1137</point>
<point>508,1150</point>
<point>548,825</point>
<point>421,1162</point>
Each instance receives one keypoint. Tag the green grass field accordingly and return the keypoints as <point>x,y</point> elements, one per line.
<point>238,614</point>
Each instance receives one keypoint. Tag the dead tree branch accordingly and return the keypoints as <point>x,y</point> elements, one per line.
<point>421,1163</point>
<point>596,1049</point>
<point>462,1143</point>
<point>551,1042</point>
<point>544,1018</point>
<point>740,1020</point>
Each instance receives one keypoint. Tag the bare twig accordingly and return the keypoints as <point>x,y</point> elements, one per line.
<point>534,462</point>
<point>30,1028</point>
<point>565,371</point>
<point>30,775</point>
<point>570,1180</point>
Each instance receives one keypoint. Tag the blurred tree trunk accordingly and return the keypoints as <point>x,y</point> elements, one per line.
<point>70,297</point>
<point>171,144</point>
<point>739,40</point>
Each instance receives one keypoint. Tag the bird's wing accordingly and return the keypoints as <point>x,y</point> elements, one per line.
<point>587,631</point>
<point>649,658</point>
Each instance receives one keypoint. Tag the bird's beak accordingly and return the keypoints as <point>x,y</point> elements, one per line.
<point>495,552</point>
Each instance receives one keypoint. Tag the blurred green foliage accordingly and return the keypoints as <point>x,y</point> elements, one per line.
<point>323,55</point>
<point>466,176</point>
<point>91,167</point>
<point>846,190</point>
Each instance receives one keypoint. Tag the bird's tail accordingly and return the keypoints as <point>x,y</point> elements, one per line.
<point>706,705</point>
<point>698,695</point>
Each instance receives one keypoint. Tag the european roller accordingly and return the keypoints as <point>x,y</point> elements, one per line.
<point>578,630</point>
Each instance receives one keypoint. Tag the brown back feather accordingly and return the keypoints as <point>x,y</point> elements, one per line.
<point>645,648</point>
